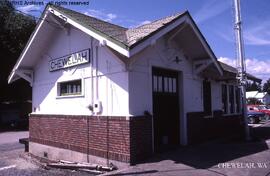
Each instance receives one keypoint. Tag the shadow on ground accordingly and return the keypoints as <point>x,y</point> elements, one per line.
<point>262,132</point>
<point>204,156</point>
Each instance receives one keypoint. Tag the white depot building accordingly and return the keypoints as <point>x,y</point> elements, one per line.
<point>104,92</point>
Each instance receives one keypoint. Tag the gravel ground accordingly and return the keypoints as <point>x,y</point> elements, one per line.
<point>11,164</point>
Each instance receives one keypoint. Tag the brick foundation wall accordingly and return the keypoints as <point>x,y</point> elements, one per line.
<point>201,129</point>
<point>117,138</point>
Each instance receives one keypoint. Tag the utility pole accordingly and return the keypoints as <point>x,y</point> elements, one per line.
<point>241,65</point>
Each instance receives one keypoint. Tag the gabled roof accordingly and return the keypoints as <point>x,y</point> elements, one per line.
<point>127,37</point>
<point>127,42</point>
<point>233,70</point>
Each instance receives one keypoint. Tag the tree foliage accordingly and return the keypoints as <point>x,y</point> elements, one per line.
<point>15,30</point>
<point>253,86</point>
<point>266,86</point>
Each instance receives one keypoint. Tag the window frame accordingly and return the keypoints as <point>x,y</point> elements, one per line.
<point>58,87</point>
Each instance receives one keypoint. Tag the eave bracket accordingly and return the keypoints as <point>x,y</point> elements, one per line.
<point>25,74</point>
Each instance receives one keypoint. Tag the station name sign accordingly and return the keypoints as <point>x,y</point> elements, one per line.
<point>77,58</point>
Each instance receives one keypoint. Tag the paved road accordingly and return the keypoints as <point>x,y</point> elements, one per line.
<point>12,137</point>
<point>11,164</point>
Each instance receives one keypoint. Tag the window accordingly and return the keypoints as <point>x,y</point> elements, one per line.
<point>160,88</point>
<point>166,88</point>
<point>155,83</point>
<point>231,100</point>
<point>237,101</point>
<point>164,84</point>
<point>174,85</point>
<point>69,88</point>
<point>224,99</point>
<point>207,98</point>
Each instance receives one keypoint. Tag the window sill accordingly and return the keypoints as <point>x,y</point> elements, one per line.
<point>69,96</point>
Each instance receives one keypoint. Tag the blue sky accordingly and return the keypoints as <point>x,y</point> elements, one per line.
<point>213,17</point>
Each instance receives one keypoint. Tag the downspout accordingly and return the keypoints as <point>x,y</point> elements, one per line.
<point>92,97</point>
<point>92,74</point>
<point>97,76</point>
<point>107,117</point>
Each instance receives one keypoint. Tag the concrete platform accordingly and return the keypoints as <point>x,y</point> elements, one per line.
<point>228,157</point>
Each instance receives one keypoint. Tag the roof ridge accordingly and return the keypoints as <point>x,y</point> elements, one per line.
<point>175,14</point>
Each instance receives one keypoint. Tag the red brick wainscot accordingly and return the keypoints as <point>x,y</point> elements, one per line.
<point>124,139</point>
<point>201,129</point>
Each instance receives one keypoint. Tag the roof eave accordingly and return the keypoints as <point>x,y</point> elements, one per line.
<point>28,44</point>
<point>110,41</point>
<point>205,44</point>
<point>116,45</point>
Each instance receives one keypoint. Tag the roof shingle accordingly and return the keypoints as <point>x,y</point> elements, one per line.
<point>126,36</point>
<point>136,34</point>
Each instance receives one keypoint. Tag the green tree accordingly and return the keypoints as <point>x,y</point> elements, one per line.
<point>253,86</point>
<point>15,30</point>
<point>266,86</point>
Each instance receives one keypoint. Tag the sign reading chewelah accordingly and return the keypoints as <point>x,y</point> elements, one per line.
<point>77,58</point>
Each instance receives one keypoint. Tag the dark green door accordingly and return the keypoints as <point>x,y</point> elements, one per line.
<point>165,109</point>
